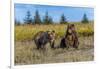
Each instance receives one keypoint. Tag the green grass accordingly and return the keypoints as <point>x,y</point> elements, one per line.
<point>27,32</point>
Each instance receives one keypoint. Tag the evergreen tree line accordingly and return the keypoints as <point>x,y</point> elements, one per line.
<point>46,20</point>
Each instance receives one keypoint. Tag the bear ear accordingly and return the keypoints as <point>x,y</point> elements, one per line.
<point>49,32</point>
<point>53,31</point>
<point>72,25</point>
<point>68,25</point>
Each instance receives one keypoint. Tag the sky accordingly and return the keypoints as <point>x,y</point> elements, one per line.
<point>73,14</point>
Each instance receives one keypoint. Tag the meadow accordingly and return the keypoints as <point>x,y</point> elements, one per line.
<point>27,32</point>
<point>26,52</point>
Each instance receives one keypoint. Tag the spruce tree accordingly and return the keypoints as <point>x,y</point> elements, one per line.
<point>37,19</point>
<point>17,22</point>
<point>47,19</point>
<point>85,19</point>
<point>63,19</point>
<point>28,19</point>
<point>50,20</point>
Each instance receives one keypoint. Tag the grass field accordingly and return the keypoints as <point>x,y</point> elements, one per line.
<point>26,52</point>
<point>27,32</point>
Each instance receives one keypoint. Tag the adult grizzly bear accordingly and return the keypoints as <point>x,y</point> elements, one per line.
<point>42,38</point>
<point>70,38</point>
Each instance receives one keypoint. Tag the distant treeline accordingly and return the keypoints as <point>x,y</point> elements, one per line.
<point>46,20</point>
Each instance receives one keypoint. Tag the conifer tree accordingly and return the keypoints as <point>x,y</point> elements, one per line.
<point>17,22</point>
<point>37,19</point>
<point>85,19</point>
<point>28,19</point>
<point>63,19</point>
<point>47,19</point>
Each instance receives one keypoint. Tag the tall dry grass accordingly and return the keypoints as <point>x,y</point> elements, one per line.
<point>27,32</point>
<point>26,52</point>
